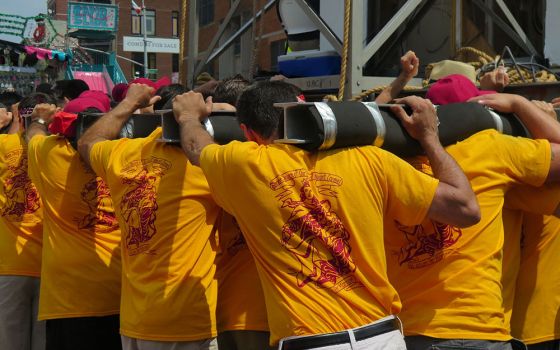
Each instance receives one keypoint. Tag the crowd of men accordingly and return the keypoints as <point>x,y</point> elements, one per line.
<point>138,244</point>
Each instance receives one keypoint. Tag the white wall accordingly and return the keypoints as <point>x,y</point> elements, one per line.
<point>552,31</point>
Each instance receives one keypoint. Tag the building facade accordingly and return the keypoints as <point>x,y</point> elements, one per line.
<point>256,49</point>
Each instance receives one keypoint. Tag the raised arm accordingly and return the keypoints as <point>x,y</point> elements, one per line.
<point>409,69</point>
<point>109,126</point>
<point>537,121</point>
<point>41,117</point>
<point>454,202</point>
<point>189,109</point>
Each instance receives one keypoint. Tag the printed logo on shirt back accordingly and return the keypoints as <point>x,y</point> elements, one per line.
<point>314,233</point>
<point>20,193</point>
<point>101,216</point>
<point>426,244</point>
<point>139,206</point>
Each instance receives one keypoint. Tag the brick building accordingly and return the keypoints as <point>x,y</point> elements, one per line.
<point>163,28</point>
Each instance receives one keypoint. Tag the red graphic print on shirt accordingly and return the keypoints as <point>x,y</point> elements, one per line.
<point>101,216</point>
<point>139,203</point>
<point>21,195</point>
<point>426,244</point>
<point>313,233</point>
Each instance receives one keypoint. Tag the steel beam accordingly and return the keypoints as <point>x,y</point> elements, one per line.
<point>516,26</point>
<point>384,34</point>
<point>332,38</point>
<point>239,32</point>
<point>216,37</point>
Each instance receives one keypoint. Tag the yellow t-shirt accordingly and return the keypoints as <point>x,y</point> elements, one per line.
<point>313,222</point>
<point>525,199</point>
<point>537,297</point>
<point>449,278</point>
<point>240,295</point>
<point>21,215</point>
<point>81,270</point>
<point>167,216</point>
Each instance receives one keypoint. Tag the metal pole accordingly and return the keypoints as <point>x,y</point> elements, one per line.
<point>193,42</point>
<point>144,22</point>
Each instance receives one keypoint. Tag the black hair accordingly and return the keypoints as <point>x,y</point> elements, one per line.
<point>255,105</point>
<point>29,102</point>
<point>45,88</point>
<point>70,89</point>
<point>229,89</point>
<point>167,93</point>
<point>8,98</point>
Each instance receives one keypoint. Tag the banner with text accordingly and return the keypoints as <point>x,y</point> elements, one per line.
<point>163,45</point>
<point>93,16</point>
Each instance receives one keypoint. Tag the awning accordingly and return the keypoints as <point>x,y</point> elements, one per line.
<point>92,34</point>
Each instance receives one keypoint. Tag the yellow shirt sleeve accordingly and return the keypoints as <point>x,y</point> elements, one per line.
<point>100,157</point>
<point>536,200</point>
<point>224,162</point>
<point>408,191</point>
<point>529,166</point>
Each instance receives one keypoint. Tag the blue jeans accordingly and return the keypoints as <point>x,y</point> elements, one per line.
<point>427,343</point>
<point>547,345</point>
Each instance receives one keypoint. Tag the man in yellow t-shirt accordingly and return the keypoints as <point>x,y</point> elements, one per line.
<point>167,217</point>
<point>241,311</point>
<point>449,279</point>
<point>533,305</point>
<point>21,236</point>
<point>537,300</point>
<point>81,270</point>
<point>313,221</point>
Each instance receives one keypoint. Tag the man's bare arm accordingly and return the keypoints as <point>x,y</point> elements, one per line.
<point>409,69</point>
<point>42,111</point>
<point>537,121</point>
<point>454,202</point>
<point>189,110</point>
<point>109,126</point>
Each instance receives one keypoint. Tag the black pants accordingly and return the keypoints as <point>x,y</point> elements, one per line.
<point>547,345</point>
<point>84,333</point>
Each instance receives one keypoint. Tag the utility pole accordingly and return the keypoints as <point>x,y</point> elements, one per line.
<point>144,22</point>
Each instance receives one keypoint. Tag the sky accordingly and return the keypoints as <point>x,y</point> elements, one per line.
<point>24,8</point>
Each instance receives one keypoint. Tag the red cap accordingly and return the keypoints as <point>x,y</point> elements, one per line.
<point>80,104</point>
<point>119,92</point>
<point>454,88</point>
<point>63,124</point>
<point>100,96</point>
<point>156,85</point>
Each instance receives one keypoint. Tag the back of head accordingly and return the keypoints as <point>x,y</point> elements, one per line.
<point>229,90</point>
<point>29,102</point>
<point>8,98</point>
<point>70,89</point>
<point>45,88</point>
<point>255,105</point>
<point>167,93</point>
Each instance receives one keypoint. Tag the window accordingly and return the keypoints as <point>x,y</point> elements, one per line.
<point>150,23</point>
<point>206,12</point>
<point>174,62</point>
<point>175,23</point>
<point>138,70</point>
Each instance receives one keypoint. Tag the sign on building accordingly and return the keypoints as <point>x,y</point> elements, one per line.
<point>163,45</point>
<point>93,16</point>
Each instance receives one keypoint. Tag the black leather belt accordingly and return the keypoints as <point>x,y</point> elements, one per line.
<point>320,340</point>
